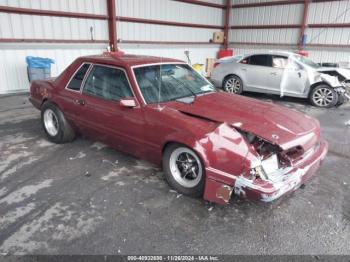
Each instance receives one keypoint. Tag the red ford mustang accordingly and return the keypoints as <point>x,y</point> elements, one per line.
<point>209,143</point>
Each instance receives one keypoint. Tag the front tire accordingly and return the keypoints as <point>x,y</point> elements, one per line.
<point>233,84</point>
<point>55,125</point>
<point>324,96</point>
<point>184,170</point>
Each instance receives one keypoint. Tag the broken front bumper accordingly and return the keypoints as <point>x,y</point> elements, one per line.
<point>343,95</point>
<point>220,185</point>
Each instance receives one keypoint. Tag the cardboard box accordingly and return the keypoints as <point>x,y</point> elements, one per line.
<point>218,37</point>
<point>209,65</point>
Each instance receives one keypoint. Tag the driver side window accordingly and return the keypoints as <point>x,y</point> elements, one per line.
<point>107,82</point>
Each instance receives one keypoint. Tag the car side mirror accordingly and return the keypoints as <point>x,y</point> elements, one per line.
<point>128,102</point>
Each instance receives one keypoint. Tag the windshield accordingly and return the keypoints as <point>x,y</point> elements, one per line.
<point>160,83</point>
<point>306,61</point>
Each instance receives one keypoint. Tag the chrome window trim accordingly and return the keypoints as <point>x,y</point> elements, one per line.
<point>109,66</point>
<point>82,82</point>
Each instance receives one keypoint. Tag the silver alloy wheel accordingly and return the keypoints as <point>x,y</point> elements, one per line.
<point>51,122</point>
<point>185,167</point>
<point>232,85</point>
<point>323,97</point>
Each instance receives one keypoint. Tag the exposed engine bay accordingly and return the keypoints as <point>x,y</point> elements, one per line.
<point>273,159</point>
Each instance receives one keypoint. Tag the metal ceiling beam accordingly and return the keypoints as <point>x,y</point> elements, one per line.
<point>165,42</point>
<point>28,11</point>
<point>168,23</point>
<point>265,26</point>
<point>341,25</point>
<point>291,26</point>
<point>289,45</point>
<point>49,41</point>
<point>202,3</point>
<point>274,3</point>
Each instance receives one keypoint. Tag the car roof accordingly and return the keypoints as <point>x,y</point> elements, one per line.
<point>126,60</point>
<point>271,52</point>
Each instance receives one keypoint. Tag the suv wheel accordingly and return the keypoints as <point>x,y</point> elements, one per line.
<point>233,84</point>
<point>323,96</point>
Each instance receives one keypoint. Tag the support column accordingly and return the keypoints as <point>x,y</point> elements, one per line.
<point>227,23</point>
<point>303,24</point>
<point>112,24</point>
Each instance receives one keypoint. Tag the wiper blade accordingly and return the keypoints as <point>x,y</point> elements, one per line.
<point>186,87</point>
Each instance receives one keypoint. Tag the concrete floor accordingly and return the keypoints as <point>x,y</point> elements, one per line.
<point>86,198</point>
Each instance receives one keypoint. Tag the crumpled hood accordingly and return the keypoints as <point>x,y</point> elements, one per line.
<point>276,124</point>
<point>342,71</point>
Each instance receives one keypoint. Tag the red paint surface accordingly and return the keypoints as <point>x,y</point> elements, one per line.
<point>224,53</point>
<point>210,126</point>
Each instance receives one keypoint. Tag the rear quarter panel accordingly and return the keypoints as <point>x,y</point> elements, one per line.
<point>223,70</point>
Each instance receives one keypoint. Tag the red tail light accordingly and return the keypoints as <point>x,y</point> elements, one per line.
<point>216,64</point>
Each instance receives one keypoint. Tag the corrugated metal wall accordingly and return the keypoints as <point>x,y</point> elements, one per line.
<point>319,12</point>
<point>12,56</point>
<point>329,12</point>
<point>169,11</point>
<point>13,72</point>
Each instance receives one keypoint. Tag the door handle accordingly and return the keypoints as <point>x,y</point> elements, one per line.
<point>244,69</point>
<point>273,73</point>
<point>299,74</point>
<point>79,102</point>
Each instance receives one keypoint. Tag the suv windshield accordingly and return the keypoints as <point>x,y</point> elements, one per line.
<point>306,61</point>
<point>160,83</point>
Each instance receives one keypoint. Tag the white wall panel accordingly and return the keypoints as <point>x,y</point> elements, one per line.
<point>267,15</point>
<point>221,2</point>
<point>81,6</point>
<point>252,1</point>
<point>13,68</point>
<point>30,26</point>
<point>197,55</point>
<point>333,36</point>
<point>329,12</point>
<point>170,11</point>
<point>135,31</point>
<point>285,36</point>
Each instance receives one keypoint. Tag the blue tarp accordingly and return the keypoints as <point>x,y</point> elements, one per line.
<point>39,62</point>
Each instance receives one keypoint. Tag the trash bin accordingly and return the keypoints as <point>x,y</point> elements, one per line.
<point>38,68</point>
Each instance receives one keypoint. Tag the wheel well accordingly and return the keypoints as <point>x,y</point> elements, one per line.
<point>181,144</point>
<point>313,86</point>
<point>46,100</point>
<point>43,102</point>
<point>168,144</point>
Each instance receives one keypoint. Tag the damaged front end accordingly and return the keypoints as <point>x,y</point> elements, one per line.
<point>279,171</point>
<point>340,85</point>
<point>272,172</point>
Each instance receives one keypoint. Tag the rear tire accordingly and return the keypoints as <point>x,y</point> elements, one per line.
<point>55,125</point>
<point>233,84</point>
<point>183,170</point>
<point>323,96</point>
